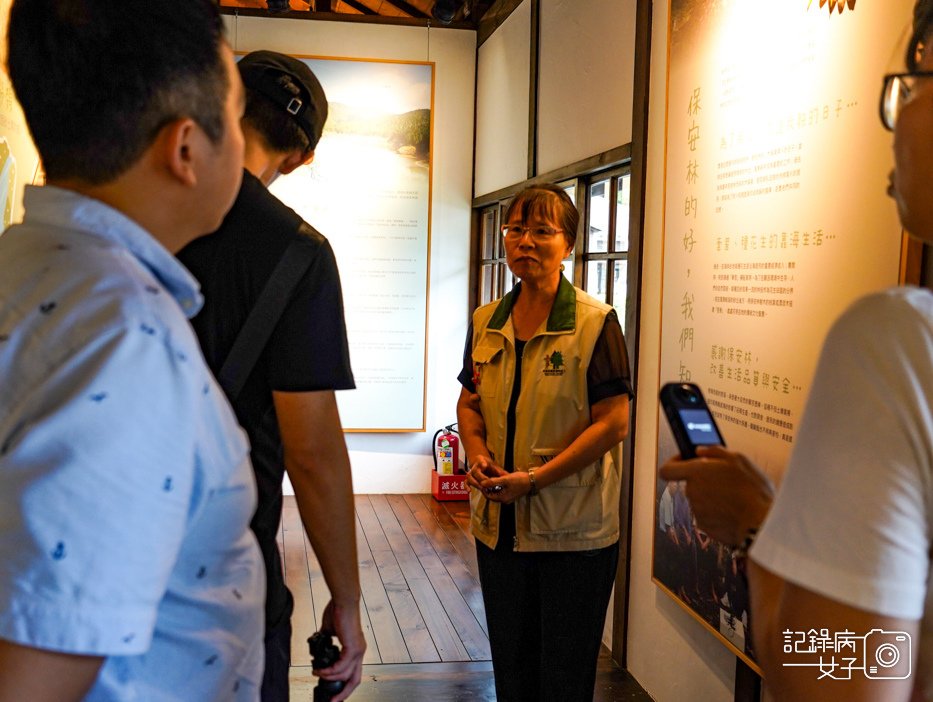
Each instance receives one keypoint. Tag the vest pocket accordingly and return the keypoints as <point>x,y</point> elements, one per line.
<point>560,509</point>
<point>571,505</point>
<point>486,360</point>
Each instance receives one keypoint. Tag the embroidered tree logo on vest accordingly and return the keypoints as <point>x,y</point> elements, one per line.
<point>554,364</point>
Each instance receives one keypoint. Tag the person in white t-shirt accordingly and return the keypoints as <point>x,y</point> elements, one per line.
<point>846,544</point>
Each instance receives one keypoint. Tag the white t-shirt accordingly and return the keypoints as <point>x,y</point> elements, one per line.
<point>852,520</point>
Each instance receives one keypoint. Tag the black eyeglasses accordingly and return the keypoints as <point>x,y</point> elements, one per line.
<point>896,93</point>
<point>540,235</point>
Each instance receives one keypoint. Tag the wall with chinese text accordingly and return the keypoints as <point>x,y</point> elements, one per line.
<point>755,238</point>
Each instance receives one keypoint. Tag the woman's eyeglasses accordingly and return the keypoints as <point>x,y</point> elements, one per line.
<point>896,93</point>
<point>540,235</point>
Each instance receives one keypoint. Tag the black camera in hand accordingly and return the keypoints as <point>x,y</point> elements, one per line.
<point>324,653</point>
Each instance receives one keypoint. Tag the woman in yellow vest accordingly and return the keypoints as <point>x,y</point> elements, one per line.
<point>544,406</point>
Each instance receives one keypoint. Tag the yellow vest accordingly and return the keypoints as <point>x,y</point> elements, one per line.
<point>581,511</point>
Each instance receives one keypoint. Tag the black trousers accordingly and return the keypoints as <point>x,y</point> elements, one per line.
<point>545,613</point>
<point>278,658</point>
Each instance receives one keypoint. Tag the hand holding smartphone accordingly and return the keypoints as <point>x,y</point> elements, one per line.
<point>690,419</point>
<point>481,469</point>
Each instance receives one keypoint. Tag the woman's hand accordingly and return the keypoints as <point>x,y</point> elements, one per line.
<point>497,484</point>
<point>482,470</point>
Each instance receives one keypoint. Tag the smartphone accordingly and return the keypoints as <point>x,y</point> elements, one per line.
<point>691,421</point>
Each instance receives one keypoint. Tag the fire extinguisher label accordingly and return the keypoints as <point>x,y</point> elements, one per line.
<point>445,460</point>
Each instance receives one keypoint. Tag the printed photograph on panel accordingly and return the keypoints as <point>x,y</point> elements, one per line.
<point>368,190</point>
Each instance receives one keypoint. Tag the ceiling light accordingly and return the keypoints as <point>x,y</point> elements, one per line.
<point>444,11</point>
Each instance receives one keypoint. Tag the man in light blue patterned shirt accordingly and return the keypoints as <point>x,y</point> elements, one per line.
<point>127,569</point>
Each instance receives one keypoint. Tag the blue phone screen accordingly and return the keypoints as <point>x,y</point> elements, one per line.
<point>700,427</point>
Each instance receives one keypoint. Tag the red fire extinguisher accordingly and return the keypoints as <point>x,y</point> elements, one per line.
<point>447,451</point>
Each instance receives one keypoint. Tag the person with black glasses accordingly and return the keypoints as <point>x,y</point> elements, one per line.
<point>544,406</point>
<point>845,546</point>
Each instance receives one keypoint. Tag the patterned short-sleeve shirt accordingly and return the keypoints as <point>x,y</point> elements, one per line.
<point>125,486</point>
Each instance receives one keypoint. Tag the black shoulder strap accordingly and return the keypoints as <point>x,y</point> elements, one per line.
<point>265,315</point>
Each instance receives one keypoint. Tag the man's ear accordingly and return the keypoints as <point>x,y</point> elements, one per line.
<point>294,160</point>
<point>176,146</point>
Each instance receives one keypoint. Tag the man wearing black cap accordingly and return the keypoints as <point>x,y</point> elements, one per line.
<point>286,402</point>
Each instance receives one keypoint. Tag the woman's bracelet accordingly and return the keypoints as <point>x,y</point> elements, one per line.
<point>531,479</point>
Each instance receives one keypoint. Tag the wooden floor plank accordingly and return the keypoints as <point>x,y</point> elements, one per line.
<point>460,513</point>
<point>383,632</point>
<point>298,581</point>
<point>443,633</point>
<point>459,682</point>
<point>375,537</point>
<point>467,583</point>
<point>320,593</point>
<point>472,636</point>
<point>462,540</point>
<point>414,630</point>
<point>441,682</point>
<point>427,542</point>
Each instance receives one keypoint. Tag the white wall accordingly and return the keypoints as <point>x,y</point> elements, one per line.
<point>502,103</point>
<point>669,653</point>
<point>586,79</point>
<point>400,463</point>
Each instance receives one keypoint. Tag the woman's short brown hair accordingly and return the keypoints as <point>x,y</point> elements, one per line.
<point>549,202</point>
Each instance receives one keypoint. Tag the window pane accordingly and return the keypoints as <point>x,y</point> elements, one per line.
<point>487,284</point>
<point>598,234</point>
<point>507,278</point>
<point>500,242</point>
<point>620,288</point>
<point>571,190</point>
<point>489,234</point>
<point>623,203</point>
<point>596,279</point>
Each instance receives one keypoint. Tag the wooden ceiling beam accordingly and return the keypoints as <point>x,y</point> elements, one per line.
<point>478,8</point>
<point>408,8</point>
<point>329,10</point>
<point>341,17</point>
<point>360,7</point>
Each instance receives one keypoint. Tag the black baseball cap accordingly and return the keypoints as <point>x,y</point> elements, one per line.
<point>276,76</point>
